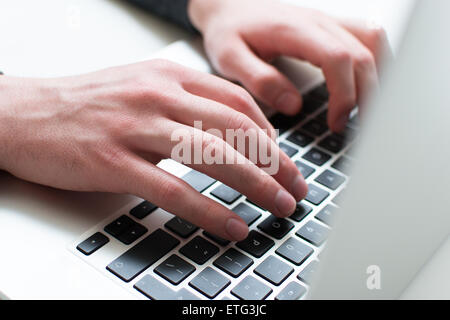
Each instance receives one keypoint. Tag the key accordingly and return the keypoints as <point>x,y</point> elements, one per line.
<point>248,214</point>
<point>307,274</point>
<point>142,255</point>
<point>198,180</point>
<point>156,290</point>
<point>290,152</point>
<point>293,291</point>
<point>321,93</point>
<point>209,282</point>
<point>251,289</point>
<point>118,226</point>
<point>216,239</point>
<point>181,227</point>
<point>348,134</point>
<point>313,233</point>
<point>304,169</point>
<point>284,123</point>
<point>274,270</point>
<point>226,194</point>
<point>132,233</point>
<point>344,165</point>
<point>316,195</point>
<point>93,243</point>
<point>256,244</point>
<point>276,227</point>
<point>301,212</point>
<point>317,157</point>
<point>311,104</point>
<point>142,210</point>
<point>300,139</point>
<point>315,128</point>
<point>295,251</point>
<point>199,250</point>
<point>330,179</point>
<point>327,215</point>
<point>233,262</point>
<point>332,143</point>
<point>339,198</point>
<point>174,269</point>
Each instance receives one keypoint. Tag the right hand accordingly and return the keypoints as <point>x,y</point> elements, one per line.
<point>106,131</point>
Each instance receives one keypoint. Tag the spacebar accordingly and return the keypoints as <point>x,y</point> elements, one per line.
<point>142,255</point>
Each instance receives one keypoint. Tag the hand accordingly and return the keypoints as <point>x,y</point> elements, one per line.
<point>242,36</point>
<point>107,130</point>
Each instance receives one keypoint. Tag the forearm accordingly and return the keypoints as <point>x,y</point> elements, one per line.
<point>173,10</point>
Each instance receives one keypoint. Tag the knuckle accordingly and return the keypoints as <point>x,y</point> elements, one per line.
<point>243,98</point>
<point>210,142</point>
<point>238,121</point>
<point>364,61</point>
<point>262,82</point>
<point>339,55</point>
<point>377,35</point>
<point>169,191</point>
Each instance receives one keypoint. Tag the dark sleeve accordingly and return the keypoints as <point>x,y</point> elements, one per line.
<point>173,10</point>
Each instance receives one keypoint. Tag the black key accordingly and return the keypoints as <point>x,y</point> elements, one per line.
<point>295,251</point>
<point>216,239</point>
<point>226,194</point>
<point>198,180</point>
<point>327,215</point>
<point>300,139</point>
<point>181,227</point>
<point>320,93</point>
<point>142,255</point>
<point>323,117</point>
<point>316,128</point>
<point>251,289</point>
<point>307,274</point>
<point>301,212</point>
<point>344,165</point>
<point>209,282</point>
<point>274,270</point>
<point>156,290</point>
<point>174,269</point>
<point>316,195</point>
<point>313,233</point>
<point>143,210</point>
<point>293,291</point>
<point>311,104</point>
<point>290,152</point>
<point>93,243</point>
<point>330,179</point>
<point>304,169</point>
<point>233,262</point>
<point>132,233</point>
<point>332,143</point>
<point>256,244</point>
<point>199,250</point>
<point>348,134</point>
<point>354,122</point>
<point>248,214</point>
<point>118,226</point>
<point>284,123</point>
<point>276,227</point>
<point>317,157</point>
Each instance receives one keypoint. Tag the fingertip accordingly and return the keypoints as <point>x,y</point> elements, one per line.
<point>236,229</point>
<point>299,188</point>
<point>289,102</point>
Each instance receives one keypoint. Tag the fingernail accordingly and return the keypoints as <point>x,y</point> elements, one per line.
<point>299,188</point>
<point>289,102</point>
<point>237,229</point>
<point>285,203</point>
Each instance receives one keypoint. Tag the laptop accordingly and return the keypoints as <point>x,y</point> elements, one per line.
<point>375,223</point>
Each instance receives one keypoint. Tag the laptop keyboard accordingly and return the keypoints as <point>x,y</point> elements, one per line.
<point>279,258</point>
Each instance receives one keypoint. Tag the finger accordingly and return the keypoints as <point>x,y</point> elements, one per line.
<point>245,131</point>
<point>263,80</point>
<point>324,51</point>
<point>364,64</point>
<point>211,155</point>
<point>373,37</point>
<point>172,194</point>
<point>227,93</point>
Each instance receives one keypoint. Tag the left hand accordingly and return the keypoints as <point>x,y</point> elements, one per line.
<point>241,37</point>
